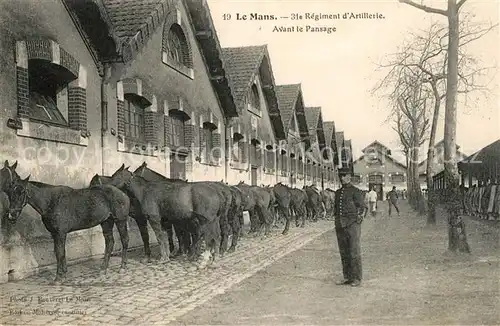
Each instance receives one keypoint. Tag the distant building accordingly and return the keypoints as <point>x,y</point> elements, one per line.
<point>377,168</point>
<point>437,164</point>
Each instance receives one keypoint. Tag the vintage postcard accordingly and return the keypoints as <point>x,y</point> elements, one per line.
<point>256,162</point>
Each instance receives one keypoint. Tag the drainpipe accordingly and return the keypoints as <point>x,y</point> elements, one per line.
<point>104,111</point>
<point>226,146</point>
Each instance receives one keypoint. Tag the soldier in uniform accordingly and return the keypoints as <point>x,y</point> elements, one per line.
<point>349,207</point>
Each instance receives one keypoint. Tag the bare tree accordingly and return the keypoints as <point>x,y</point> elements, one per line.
<point>426,51</point>
<point>412,124</point>
<point>457,239</point>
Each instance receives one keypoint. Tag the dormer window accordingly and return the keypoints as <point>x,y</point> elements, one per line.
<point>177,46</point>
<point>176,51</point>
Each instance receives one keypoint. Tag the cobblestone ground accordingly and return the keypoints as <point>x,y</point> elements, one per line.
<point>146,293</point>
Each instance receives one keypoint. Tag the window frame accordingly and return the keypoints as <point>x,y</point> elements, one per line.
<point>139,123</point>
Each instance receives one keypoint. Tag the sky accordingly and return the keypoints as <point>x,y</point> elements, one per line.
<point>337,71</point>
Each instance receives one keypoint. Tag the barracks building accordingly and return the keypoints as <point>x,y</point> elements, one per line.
<point>88,85</point>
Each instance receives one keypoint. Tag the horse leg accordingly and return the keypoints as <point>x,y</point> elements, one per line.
<point>142,224</point>
<point>287,220</point>
<point>123,231</point>
<point>169,227</point>
<point>224,229</point>
<point>303,213</point>
<point>109,241</point>
<point>236,234</point>
<point>162,236</point>
<point>60,251</point>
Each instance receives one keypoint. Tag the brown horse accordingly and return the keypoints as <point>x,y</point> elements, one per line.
<point>283,200</point>
<point>223,190</point>
<point>135,212</point>
<point>196,207</point>
<point>64,210</point>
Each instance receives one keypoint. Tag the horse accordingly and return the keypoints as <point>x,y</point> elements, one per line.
<point>283,201</point>
<point>65,210</point>
<point>135,212</point>
<point>221,188</point>
<point>195,207</point>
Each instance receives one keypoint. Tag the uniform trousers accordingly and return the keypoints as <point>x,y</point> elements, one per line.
<point>350,250</point>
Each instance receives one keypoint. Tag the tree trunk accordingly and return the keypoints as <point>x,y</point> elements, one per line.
<point>457,238</point>
<point>431,197</point>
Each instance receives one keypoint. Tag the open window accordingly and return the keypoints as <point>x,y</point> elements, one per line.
<point>208,143</point>
<point>237,147</point>
<point>48,92</point>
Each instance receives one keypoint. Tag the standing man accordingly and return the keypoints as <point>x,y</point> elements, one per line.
<point>372,199</point>
<point>348,210</point>
<point>392,198</point>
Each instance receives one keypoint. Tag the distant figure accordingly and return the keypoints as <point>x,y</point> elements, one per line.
<point>392,198</point>
<point>372,199</point>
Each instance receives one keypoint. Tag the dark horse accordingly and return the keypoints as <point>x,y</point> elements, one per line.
<point>135,213</point>
<point>64,210</point>
<point>223,190</point>
<point>194,206</point>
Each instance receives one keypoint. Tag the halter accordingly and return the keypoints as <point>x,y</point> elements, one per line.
<point>24,201</point>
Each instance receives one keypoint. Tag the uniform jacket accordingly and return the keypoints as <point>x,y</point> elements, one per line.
<point>349,203</point>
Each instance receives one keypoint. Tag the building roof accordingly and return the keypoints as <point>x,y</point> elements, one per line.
<point>483,161</point>
<point>243,64</point>
<point>312,118</point>
<point>287,96</point>
<point>329,129</point>
<point>130,16</point>
<point>212,52</point>
<point>339,137</point>
<point>376,143</point>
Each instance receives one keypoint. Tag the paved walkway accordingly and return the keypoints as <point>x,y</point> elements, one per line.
<point>407,281</point>
<point>146,294</point>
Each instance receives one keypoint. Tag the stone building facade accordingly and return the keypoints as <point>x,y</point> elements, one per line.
<point>377,168</point>
<point>89,85</point>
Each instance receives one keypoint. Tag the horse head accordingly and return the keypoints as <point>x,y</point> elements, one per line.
<point>121,177</point>
<point>8,176</point>
<point>18,197</point>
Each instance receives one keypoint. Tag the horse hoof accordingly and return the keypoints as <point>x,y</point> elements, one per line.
<point>146,260</point>
<point>57,281</point>
<point>122,270</point>
<point>284,233</point>
<point>163,260</point>
<point>231,250</point>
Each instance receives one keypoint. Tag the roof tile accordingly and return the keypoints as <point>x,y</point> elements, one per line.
<point>241,64</point>
<point>287,96</point>
<point>312,117</point>
<point>129,16</point>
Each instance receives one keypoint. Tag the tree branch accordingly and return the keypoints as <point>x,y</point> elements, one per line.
<point>460,4</point>
<point>426,8</point>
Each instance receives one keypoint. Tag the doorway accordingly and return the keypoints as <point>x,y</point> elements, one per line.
<point>253,176</point>
<point>178,166</point>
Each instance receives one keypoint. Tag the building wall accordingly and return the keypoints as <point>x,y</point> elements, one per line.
<point>165,84</point>
<point>241,171</point>
<point>386,169</point>
<point>29,246</point>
